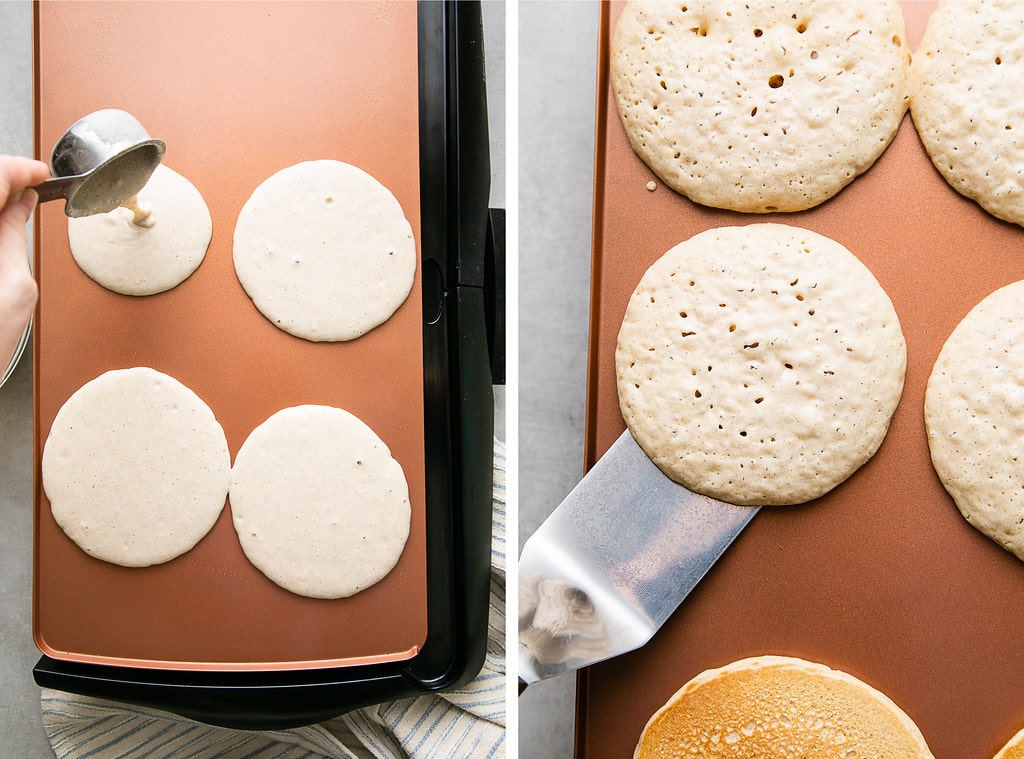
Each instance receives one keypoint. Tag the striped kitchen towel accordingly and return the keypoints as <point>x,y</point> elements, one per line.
<point>464,724</point>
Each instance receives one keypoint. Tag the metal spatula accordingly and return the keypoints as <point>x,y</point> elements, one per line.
<point>613,562</point>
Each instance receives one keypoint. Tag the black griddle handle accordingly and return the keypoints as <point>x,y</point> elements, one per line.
<point>458,341</point>
<point>494,291</point>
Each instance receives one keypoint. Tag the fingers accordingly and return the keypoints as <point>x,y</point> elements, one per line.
<point>18,289</point>
<point>17,173</point>
<point>16,177</point>
<point>13,218</point>
<point>17,285</point>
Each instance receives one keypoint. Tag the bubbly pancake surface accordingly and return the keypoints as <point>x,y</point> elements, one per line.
<point>760,106</point>
<point>974,414</point>
<point>325,251</point>
<point>773,706</point>
<point>318,502</point>
<point>759,364</point>
<point>136,467</point>
<point>966,85</point>
<point>155,255</point>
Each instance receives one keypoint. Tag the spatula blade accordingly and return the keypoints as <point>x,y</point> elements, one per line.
<point>613,561</point>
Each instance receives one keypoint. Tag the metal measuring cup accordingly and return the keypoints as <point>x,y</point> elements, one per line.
<point>100,162</point>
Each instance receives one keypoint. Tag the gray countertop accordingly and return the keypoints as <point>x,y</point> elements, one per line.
<point>557,88</point>
<point>20,723</point>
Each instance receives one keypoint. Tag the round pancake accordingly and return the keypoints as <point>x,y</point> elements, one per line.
<point>974,414</point>
<point>319,505</point>
<point>759,364</point>
<point>780,706</point>
<point>760,106</point>
<point>1014,748</point>
<point>136,467</point>
<point>151,257</point>
<point>324,251</point>
<point>966,85</point>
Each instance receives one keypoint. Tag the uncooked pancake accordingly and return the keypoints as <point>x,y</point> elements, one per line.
<point>775,706</point>
<point>974,414</point>
<point>760,106</point>
<point>153,256</point>
<point>319,504</point>
<point>324,251</point>
<point>966,88</point>
<point>1014,748</point>
<point>136,467</point>
<point>759,364</point>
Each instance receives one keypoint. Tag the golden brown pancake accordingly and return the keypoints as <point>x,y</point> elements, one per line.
<point>1014,748</point>
<point>774,706</point>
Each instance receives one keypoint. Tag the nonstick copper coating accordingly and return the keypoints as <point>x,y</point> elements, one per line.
<point>881,578</point>
<point>238,91</point>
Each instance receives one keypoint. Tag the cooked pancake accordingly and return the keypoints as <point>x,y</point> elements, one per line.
<point>319,505</point>
<point>974,414</point>
<point>774,706</point>
<point>759,364</point>
<point>760,106</point>
<point>154,255</point>
<point>324,251</point>
<point>136,467</point>
<point>1014,748</point>
<point>966,87</point>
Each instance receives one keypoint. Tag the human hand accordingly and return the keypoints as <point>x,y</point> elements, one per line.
<point>18,291</point>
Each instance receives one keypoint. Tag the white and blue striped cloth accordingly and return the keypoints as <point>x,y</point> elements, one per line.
<point>463,724</point>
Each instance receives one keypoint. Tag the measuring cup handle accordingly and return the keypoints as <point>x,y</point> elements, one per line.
<point>56,187</point>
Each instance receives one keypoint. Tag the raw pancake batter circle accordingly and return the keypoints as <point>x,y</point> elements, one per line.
<point>773,706</point>
<point>151,257</point>
<point>324,251</point>
<point>974,414</point>
<point>760,106</point>
<point>136,467</point>
<point>759,364</point>
<point>319,505</point>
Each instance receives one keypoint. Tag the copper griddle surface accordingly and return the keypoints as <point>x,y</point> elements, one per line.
<point>238,91</point>
<point>881,578</point>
